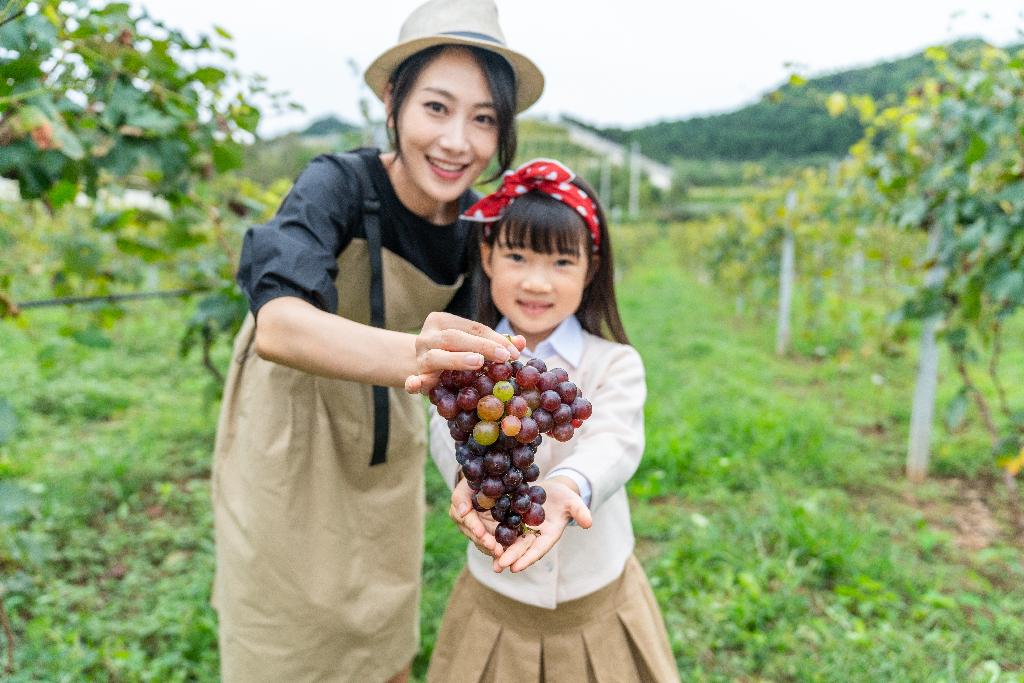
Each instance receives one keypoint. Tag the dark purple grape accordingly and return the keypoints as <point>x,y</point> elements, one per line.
<point>567,391</point>
<point>466,421</point>
<point>547,381</point>
<point>517,365</point>
<point>498,515</point>
<point>522,457</point>
<point>464,378</point>
<point>536,443</point>
<point>447,406</point>
<point>496,464</point>
<point>562,414</point>
<point>457,434</point>
<point>550,400</point>
<point>512,478</point>
<point>543,419</point>
<point>532,397</point>
<point>499,372</point>
<point>476,447</point>
<point>447,380</point>
<point>473,469</point>
<point>492,487</point>
<point>528,430</point>
<point>506,536</point>
<point>521,490</point>
<point>461,453</point>
<point>527,377</point>
<point>484,385</point>
<point>437,392</point>
<point>474,484</point>
<point>531,473</point>
<point>503,504</point>
<point>513,520</point>
<point>521,504</point>
<point>562,432</point>
<point>537,363</point>
<point>538,495</point>
<point>581,408</point>
<point>560,374</point>
<point>534,516</point>
<point>467,398</point>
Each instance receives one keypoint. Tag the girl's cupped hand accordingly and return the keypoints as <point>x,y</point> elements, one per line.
<point>562,505</point>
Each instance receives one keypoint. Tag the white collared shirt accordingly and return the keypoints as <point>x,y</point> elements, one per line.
<point>566,341</point>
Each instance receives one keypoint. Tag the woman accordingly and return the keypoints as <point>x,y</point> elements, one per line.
<point>317,481</point>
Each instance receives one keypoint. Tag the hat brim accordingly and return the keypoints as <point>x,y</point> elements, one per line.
<point>529,79</point>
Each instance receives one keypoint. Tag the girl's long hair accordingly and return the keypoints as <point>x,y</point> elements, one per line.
<point>543,224</point>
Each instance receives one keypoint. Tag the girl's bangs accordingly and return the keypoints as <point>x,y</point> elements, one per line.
<point>545,225</point>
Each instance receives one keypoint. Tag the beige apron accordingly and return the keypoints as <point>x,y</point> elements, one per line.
<point>318,553</point>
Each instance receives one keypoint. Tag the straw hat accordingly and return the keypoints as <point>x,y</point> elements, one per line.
<point>456,22</point>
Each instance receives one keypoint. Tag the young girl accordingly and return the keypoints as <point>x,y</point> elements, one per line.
<point>354,288</point>
<point>579,609</point>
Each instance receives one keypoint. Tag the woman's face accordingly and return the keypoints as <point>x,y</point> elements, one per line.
<point>449,134</point>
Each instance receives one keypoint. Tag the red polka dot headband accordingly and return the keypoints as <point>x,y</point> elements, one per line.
<point>541,175</point>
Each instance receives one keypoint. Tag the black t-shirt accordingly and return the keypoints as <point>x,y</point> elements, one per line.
<point>296,252</point>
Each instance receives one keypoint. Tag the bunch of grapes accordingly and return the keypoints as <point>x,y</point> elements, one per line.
<point>497,415</point>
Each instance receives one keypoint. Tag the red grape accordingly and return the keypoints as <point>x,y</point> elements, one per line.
<point>543,420</point>
<point>560,374</point>
<point>499,371</point>
<point>447,407</point>
<point>538,494</point>
<point>547,381</point>
<point>537,363</point>
<point>517,406</point>
<point>567,391</point>
<point>489,408</point>
<point>534,516</point>
<point>467,398</point>
<point>528,430</point>
<point>562,432</point>
<point>562,414</point>
<point>550,400</point>
<point>511,425</point>
<point>505,535</point>
<point>581,408</point>
<point>528,376</point>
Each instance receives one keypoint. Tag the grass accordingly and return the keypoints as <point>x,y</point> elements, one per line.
<point>780,537</point>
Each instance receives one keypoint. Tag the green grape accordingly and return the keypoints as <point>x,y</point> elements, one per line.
<point>504,390</point>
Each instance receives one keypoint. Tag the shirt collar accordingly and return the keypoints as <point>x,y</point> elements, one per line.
<point>566,341</point>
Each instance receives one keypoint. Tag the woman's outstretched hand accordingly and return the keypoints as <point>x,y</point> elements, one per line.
<point>563,504</point>
<point>472,525</point>
<point>448,342</point>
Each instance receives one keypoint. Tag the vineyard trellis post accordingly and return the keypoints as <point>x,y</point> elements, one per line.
<point>634,179</point>
<point>923,408</point>
<point>786,278</point>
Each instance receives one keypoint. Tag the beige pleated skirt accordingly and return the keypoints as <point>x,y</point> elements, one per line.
<point>614,634</point>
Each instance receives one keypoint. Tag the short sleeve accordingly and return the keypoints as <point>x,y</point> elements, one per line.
<point>295,253</point>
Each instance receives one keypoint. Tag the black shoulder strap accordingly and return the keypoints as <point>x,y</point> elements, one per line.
<point>371,224</point>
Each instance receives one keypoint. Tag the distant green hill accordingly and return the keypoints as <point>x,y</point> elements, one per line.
<point>329,125</point>
<point>792,124</point>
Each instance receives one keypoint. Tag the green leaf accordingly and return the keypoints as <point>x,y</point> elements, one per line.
<point>976,150</point>
<point>1008,288</point>
<point>146,250</point>
<point>208,75</point>
<point>227,156</point>
<point>8,421</point>
<point>223,33</point>
<point>956,412</point>
<point>70,145</point>
<point>92,337</point>
<point>152,121</point>
<point>62,193</point>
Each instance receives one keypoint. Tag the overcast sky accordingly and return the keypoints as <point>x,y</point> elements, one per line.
<point>621,62</point>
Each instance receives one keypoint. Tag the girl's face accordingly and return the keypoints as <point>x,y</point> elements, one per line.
<point>534,290</point>
<point>449,134</point>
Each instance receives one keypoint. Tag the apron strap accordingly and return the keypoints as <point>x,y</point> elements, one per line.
<point>371,224</point>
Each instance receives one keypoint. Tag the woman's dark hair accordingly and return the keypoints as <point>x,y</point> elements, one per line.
<point>500,79</point>
<point>544,224</point>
